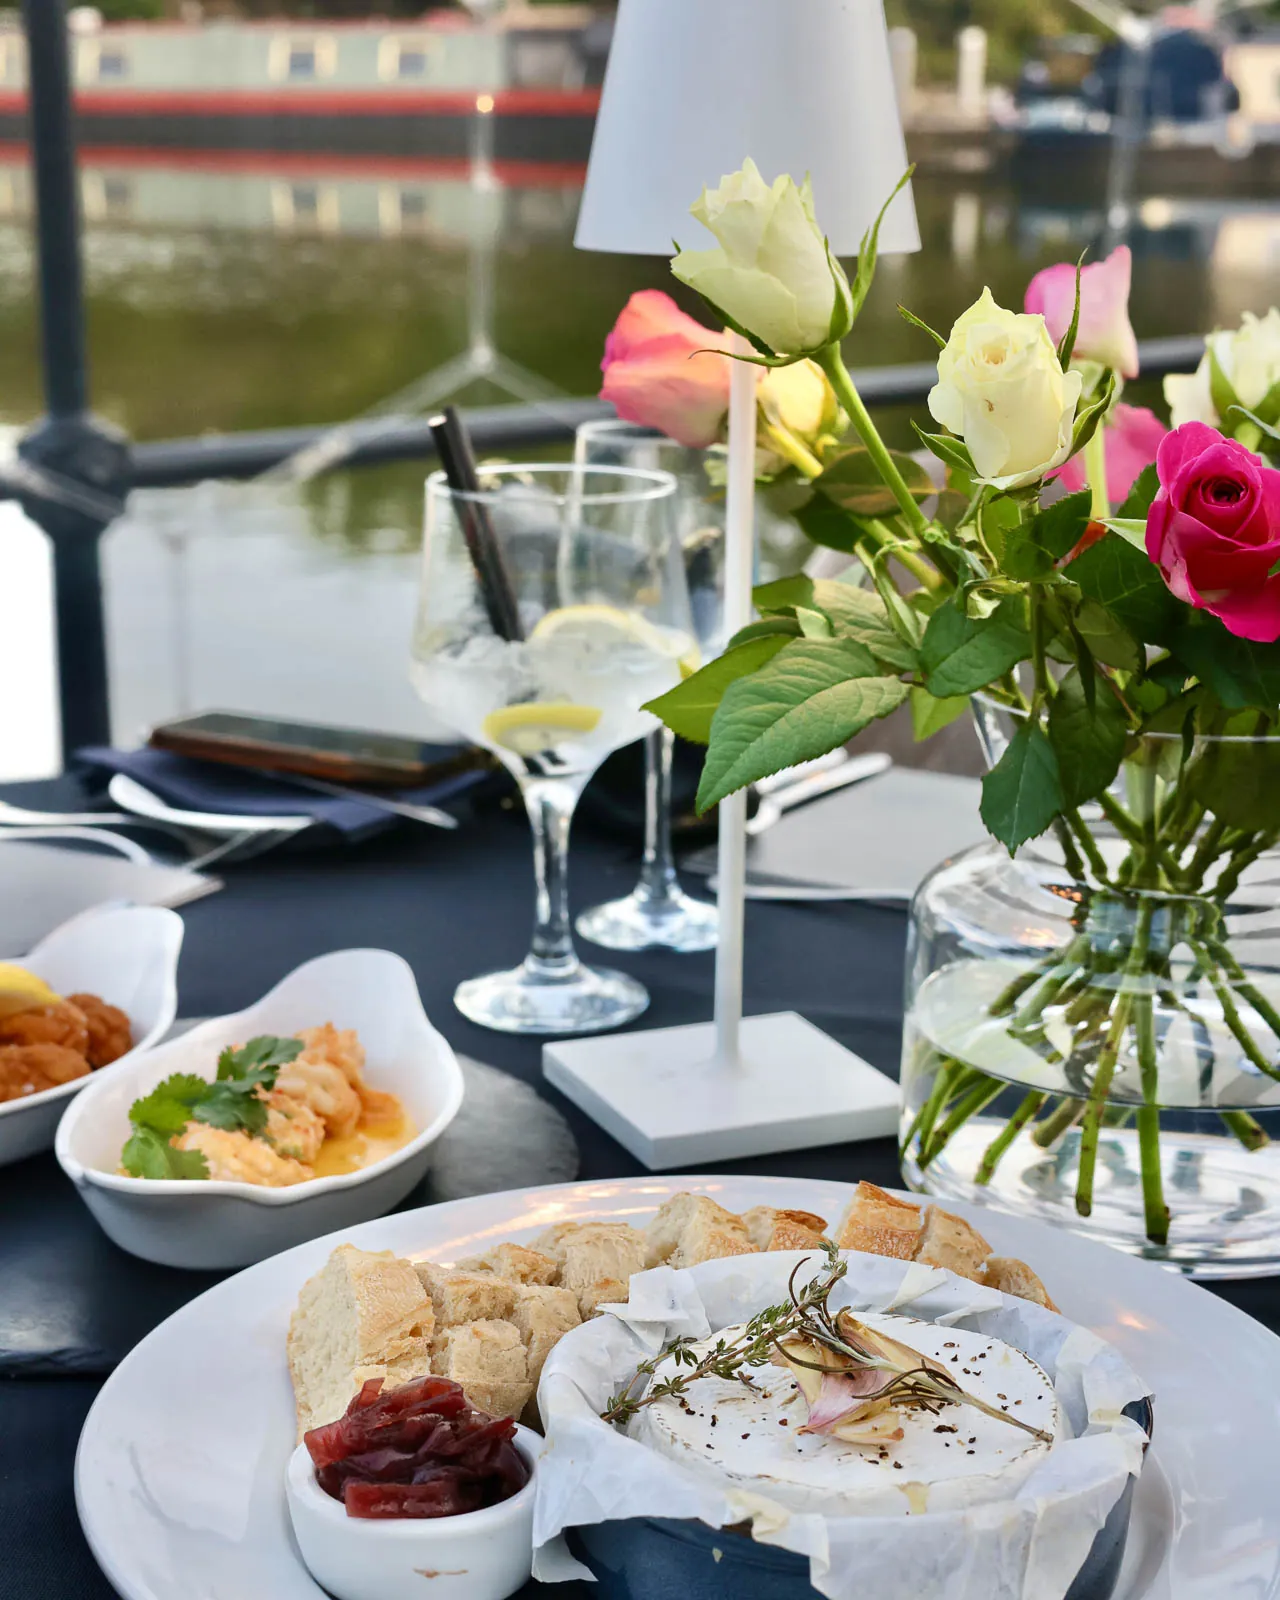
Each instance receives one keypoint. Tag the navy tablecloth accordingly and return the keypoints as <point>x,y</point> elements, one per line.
<point>71,1304</point>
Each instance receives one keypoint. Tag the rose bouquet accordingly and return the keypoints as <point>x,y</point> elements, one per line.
<point>1114,618</point>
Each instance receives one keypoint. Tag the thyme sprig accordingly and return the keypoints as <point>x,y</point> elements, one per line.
<point>805,1316</point>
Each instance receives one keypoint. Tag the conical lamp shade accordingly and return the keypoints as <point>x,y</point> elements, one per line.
<point>696,86</point>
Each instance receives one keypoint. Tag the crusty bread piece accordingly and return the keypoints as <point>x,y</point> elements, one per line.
<point>771,1229</point>
<point>514,1262</point>
<point>542,1316</point>
<point>1012,1276</point>
<point>558,1239</point>
<point>363,1315</point>
<point>487,1358</point>
<point>949,1241</point>
<point>458,1297</point>
<point>596,1261</point>
<point>879,1224</point>
<point>690,1228</point>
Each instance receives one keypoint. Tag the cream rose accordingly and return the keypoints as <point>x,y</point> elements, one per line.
<point>1249,357</point>
<point>772,275</point>
<point>1002,389</point>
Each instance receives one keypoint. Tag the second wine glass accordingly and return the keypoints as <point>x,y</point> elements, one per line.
<point>658,913</point>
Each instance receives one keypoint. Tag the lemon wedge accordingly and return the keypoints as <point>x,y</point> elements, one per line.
<point>21,990</point>
<point>539,725</point>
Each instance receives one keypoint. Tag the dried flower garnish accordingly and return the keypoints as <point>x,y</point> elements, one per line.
<point>861,1373</point>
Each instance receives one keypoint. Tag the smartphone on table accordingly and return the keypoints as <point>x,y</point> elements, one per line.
<point>312,750</point>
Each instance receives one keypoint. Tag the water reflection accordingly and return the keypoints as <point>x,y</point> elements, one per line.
<point>240,290</point>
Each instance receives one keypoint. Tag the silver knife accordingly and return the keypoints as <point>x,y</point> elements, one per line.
<point>813,787</point>
<point>431,815</point>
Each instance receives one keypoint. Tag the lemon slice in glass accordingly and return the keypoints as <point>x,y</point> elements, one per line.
<point>539,725</point>
<point>21,990</point>
<point>598,629</point>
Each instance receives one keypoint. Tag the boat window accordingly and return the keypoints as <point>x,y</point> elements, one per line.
<point>11,57</point>
<point>305,207</point>
<point>302,58</point>
<point>405,60</point>
<point>101,62</point>
<point>106,196</point>
<point>403,208</point>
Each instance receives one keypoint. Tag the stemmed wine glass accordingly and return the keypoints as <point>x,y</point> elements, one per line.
<point>553,604</point>
<point>658,912</point>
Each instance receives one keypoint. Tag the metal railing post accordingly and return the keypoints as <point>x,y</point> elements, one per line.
<point>73,461</point>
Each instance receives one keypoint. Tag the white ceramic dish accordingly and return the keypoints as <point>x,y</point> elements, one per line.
<point>170,1481</point>
<point>130,795</point>
<point>220,1224</point>
<point>128,955</point>
<point>484,1555</point>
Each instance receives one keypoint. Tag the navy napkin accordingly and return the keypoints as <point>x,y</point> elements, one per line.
<point>213,786</point>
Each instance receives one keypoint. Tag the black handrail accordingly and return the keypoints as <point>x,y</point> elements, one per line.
<point>74,471</point>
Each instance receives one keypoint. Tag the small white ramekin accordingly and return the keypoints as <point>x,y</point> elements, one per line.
<point>480,1555</point>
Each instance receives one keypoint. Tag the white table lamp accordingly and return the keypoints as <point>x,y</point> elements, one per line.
<point>693,88</point>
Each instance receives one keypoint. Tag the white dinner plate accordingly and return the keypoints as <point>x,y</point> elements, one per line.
<point>132,796</point>
<point>180,1470</point>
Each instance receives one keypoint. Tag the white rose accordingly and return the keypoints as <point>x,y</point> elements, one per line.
<point>772,275</point>
<point>1002,389</point>
<point>799,398</point>
<point>1249,357</point>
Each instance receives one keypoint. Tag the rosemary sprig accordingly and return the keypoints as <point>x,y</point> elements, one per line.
<point>805,1316</point>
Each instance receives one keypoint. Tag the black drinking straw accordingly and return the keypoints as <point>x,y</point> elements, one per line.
<point>459,463</point>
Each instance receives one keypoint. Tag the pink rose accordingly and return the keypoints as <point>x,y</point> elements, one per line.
<point>1105,333</point>
<point>1131,437</point>
<point>1214,529</point>
<point>659,370</point>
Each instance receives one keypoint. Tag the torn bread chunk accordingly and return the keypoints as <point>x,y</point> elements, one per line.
<point>458,1297</point>
<point>664,1235</point>
<point>949,1241</point>
<point>488,1359</point>
<point>542,1316</point>
<point>1012,1276</point>
<point>514,1262</point>
<point>596,1261</point>
<point>771,1229</point>
<point>879,1224</point>
<point>364,1314</point>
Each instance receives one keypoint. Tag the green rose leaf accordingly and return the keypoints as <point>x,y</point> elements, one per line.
<point>814,624</point>
<point>1145,488</point>
<point>814,695</point>
<point>828,524</point>
<point>867,252</point>
<point>767,627</point>
<point>1240,672</point>
<point>1058,529</point>
<point>961,654</point>
<point>929,714</point>
<point>1128,584</point>
<point>1088,740</point>
<point>1238,782</point>
<point>1132,529</point>
<point>953,451</point>
<point>856,614</point>
<point>1221,391</point>
<point>852,480</point>
<point>689,707</point>
<point>1022,793</point>
<point>1107,640</point>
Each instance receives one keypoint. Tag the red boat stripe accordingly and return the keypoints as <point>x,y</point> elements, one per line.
<point>322,102</point>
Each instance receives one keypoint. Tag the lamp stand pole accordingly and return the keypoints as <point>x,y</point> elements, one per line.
<point>719,1090</point>
<point>739,572</point>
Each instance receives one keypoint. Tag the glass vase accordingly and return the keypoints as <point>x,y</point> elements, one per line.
<point>1093,1025</point>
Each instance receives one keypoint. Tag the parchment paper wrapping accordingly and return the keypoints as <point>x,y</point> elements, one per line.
<point>1026,1548</point>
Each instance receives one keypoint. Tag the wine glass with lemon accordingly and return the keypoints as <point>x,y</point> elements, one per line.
<point>553,605</point>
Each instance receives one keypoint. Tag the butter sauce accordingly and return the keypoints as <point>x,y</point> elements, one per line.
<point>363,1148</point>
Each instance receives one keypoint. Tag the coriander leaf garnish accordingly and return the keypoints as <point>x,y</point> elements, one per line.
<point>167,1109</point>
<point>148,1154</point>
<point>231,1102</point>
<point>259,1060</point>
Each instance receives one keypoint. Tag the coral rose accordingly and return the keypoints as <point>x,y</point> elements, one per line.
<point>661,370</point>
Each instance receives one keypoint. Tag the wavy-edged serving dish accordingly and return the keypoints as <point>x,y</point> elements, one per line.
<point>128,956</point>
<point>209,1223</point>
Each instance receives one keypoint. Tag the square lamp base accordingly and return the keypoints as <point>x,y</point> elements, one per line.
<point>662,1094</point>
